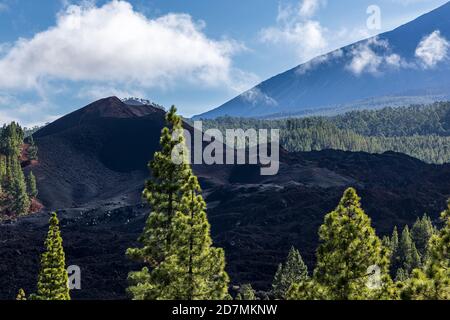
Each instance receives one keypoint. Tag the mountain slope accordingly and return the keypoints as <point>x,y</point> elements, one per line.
<point>96,153</point>
<point>92,168</point>
<point>379,71</point>
<point>100,153</point>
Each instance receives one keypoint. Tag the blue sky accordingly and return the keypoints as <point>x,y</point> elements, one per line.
<point>59,55</point>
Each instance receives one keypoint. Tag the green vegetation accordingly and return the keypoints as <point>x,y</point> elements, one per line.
<point>176,241</point>
<point>349,247</point>
<point>53,278</point>
<point>348,250</point>
<point>32,149</point>
<point>419,131</point>
<point>246,292</point>
<point>410,251</point>
<point>15,200</point>
<point>21,295</point>
<point>294,270</point>
<point>432,282</point>
<point>31,185</point>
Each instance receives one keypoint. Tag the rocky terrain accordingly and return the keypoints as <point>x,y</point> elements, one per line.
<point>92,168</point>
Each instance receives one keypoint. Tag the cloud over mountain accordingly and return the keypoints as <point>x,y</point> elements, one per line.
<point>116,43</point>
<point>432,49</point>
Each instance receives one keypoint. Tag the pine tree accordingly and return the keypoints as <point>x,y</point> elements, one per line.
<point>164,194</point>
<point>21,295</point>
<point>349,246</point>
<point>433,283</point>
<point>386,241</point>
<point>308,290</point>
<point>32,149</point>
<point>2,170</point>
<point>195,269</point>
<point>421,233</point>
<point>31,184</point>
<point>407,255</point>
<point>394,240</point>
<point>395,263</point>
<point>246,293</point>
<point>9,176</point>
<point>401,275</point>
<point>293,271</point>
<point>53,278</point>
<point>21,199</point>
<point>177,241</point>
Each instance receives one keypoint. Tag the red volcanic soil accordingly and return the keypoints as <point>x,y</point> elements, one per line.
<point>36,206</point>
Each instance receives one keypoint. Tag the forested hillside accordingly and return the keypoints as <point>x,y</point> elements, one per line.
<point>419,131</point>
<point>17,191</point>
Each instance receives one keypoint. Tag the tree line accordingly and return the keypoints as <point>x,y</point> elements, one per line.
<point>181,263</point>
<point>16,190</point>
<point>419,131</point>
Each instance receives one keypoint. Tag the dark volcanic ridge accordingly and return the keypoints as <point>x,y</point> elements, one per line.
<point>92,168</point>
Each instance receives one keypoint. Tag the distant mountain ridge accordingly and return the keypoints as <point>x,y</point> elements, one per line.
<point>407,65</point>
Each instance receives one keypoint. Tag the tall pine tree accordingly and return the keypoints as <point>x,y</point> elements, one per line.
<point>421,233</point>
<point>177,246</point>
<point>394,258</point>
<point>293,271</point>
<point>196,270</point>
<point>21,200</point>
<point>53,281</point>
<point>406,256</point>
<point>163,192</point>
<point>349,247</point>
<point>31,185</point>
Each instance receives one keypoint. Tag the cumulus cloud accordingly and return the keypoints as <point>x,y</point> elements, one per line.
<point>296,28</point>
<point>255,96</point>
<point>115,43</point>
<point>373,56</point>
<point>365,59</point>
<point>432,49</point>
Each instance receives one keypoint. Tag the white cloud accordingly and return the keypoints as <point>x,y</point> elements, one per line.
<point>394,60</point>
<point>304,9</point>
<point>309,7</point>
<point>365,59</point>
<point>255,96</point>
<point>296,28</point>
<point>307,37</point>
<point>97,92</point>
<point>320,60</point>
<point>432,49</point>
<point>115,43</point>
<point>374,56</point>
